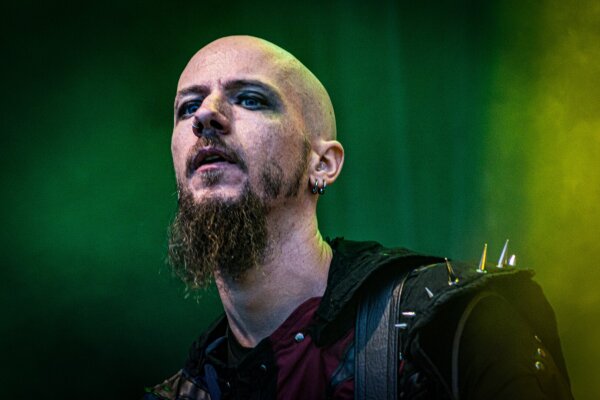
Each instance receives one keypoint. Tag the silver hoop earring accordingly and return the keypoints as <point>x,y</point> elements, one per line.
<point>322,189</point>
<point>315,188</point>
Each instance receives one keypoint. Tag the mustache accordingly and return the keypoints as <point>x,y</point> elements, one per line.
<point>215,141</point>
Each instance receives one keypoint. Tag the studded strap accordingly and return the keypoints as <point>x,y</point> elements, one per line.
<point>376,340</point>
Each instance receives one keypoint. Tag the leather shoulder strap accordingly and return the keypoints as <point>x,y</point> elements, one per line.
<point>376,340</point>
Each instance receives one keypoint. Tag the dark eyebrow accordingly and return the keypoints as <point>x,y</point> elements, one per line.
<point>231,85</point>
<point>270,92</point>
<point>194,89</point>
<point>242,83</point>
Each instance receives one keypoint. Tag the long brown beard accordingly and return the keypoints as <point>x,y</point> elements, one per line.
<point>217,235</point>
<point>229,236</point>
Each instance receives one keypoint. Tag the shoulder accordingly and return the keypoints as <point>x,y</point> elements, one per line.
<point>355,265</point>
<point>436,293</point>
<point>179,386</point>
<point>496,350</point>
<point>166,390</point>
<point>187,381</point>
<point>464,323</point>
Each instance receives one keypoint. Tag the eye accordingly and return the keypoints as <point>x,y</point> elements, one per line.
<point>252,101</point>
<point>188,108</point>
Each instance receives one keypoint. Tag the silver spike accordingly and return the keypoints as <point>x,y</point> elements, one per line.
<point>429,292</point>
<point>408,314</point>
<point>401,325</point>
<point>512,261</point>
<point>452,279</point>
<point>481,268</point>
<point>502,261</point>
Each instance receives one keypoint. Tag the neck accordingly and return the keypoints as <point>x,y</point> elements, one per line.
<point>295,271</point>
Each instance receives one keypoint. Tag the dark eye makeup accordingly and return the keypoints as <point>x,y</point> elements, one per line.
<point>249,95</point>
<point>188,108</point>
<point>251,100</point>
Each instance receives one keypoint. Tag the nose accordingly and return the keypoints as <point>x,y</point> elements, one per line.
<point>210,119</point>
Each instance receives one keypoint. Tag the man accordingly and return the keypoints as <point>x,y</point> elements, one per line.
<point>254,146</point>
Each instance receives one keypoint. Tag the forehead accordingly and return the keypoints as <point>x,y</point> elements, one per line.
<point>219,64</point>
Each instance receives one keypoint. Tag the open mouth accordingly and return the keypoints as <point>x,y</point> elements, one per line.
<point>210,156</point>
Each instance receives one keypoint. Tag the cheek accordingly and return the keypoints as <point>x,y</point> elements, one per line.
<point>281,144</point>
<point>178,152</point>
<point>268,142</point>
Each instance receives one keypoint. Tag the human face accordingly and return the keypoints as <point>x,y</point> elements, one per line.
<point>238,124</point>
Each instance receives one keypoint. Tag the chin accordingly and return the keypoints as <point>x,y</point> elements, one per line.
<point>216,193</point>
<point>214,184</point>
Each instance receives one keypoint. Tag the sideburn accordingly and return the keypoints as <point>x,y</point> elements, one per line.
<point>228,236</point>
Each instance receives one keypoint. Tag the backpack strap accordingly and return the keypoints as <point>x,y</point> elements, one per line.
<point>377,340</point>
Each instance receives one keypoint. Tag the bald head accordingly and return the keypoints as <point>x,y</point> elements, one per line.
<point>252,56</point>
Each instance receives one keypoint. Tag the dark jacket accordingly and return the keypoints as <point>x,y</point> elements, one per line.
<point>486,335</point>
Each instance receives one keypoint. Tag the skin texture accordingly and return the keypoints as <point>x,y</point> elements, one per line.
<point>273,118</point>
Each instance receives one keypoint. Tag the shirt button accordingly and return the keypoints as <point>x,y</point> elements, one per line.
<point>263,367</point>
<point>299,337</point>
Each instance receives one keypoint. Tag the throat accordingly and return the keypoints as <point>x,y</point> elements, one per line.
<point>261,301</point>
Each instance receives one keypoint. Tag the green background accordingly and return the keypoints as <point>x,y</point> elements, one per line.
<point>464,123</point>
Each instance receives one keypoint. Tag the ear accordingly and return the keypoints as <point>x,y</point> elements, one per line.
<point>326,161</point>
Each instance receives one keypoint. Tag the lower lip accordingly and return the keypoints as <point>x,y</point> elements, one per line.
<point>215,165</point>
